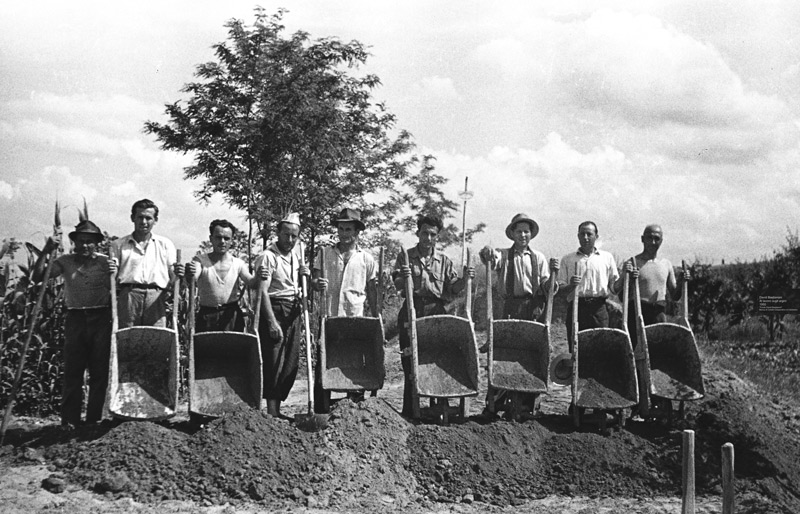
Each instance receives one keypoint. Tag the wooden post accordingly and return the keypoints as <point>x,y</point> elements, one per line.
<point>728,489</point>
<point>687,478</point>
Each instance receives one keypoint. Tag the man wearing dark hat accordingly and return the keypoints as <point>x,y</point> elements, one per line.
<point>284,264</point>
<point>350,275</point>
<point>87,329</point>
<point>523,273</point>
<point>434,278</point>
<point>145,262</point>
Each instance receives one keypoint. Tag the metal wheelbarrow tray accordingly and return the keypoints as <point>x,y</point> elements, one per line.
<point>606,370</point>
<point>143,374</point>
<point>352,354</point>
<point>225,372</point>
<point>447,364</point>
<point>521,356</point>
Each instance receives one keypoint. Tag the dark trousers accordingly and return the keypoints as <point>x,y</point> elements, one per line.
<point>225,318</point>
<point>280,356</point>
<point>87,345</point>
<point>529,308</point>
<point>592,313</point>
<point>651,313</point>
<point>422,308</point>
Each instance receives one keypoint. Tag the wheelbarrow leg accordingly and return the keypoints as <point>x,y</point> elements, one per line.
<point>444,404</point>
<point>490,400</point>
<point>373,393</point>
<point>681,411</point>
<point>463,408</point>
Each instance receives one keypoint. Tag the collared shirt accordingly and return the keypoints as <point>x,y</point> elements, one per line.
<point>654,275</point>
<point>283,280</point>
<point>214,290</point>
<point>87,285</point>
<point>432,277</point>
<point>527,280</point>
<point>150,264</point>
<point>598,273</point>
<point>347,281</point>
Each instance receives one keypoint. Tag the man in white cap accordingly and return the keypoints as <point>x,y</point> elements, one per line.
<point>523,273</point>
<point>87,327</point>
<point>350,274</point>
<point>283,264</point>
<point>145,262</point>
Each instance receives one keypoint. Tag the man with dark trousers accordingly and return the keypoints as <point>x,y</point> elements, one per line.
<point>283,265</point>
<point>434,277</point>
<point>87,328</point>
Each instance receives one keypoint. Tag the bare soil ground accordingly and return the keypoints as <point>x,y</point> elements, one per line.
<point>371,459</point>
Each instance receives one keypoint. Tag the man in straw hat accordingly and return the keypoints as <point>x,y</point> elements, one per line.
<point>350,274</point>
<point>145,263</point>
<point>283,265</point>
<point>87,327</point>
<point>221,279</point>
<point>590,276</point>
<point>523,279</point>
<point>434,277</point>
<point>523,273</point>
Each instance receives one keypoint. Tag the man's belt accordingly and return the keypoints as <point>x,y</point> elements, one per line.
<point>140,286</point>
<point>591,299</point>
<point>218,308</point>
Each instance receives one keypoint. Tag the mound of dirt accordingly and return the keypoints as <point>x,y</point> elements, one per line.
<point>371,459</point>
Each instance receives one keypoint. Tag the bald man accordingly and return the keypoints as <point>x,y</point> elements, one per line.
<point>656,278</point>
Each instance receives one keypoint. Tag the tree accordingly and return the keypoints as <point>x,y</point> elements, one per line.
<point>283,124</point>
<point>421,194</point>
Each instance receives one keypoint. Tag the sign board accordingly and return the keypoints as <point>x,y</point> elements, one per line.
<point>784,301</point>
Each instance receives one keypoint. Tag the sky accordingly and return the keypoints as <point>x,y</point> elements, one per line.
<point>627,113</point>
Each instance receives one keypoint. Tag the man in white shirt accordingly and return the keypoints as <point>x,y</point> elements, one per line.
<point>145,263</point>
<point>350,275</point>
<point>590,276</point>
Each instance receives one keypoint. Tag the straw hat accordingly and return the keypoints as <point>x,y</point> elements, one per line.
<point>518,218</point>
<point>561,369</point>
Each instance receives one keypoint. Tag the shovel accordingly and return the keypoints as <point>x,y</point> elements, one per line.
<point>309,422</point>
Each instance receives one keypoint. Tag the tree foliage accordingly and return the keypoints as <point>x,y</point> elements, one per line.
<point>280,123</point>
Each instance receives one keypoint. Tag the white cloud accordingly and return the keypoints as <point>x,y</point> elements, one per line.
<point>6,190</point>
<point>128,189</point>
<point>437,88</point>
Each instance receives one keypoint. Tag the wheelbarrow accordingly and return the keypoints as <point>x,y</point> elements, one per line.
<point>603,370</point>
<point>518,356</point>
<point>444,356</point>
<point>675,369</point>
<point>225,368</point>
<point>351,354</point>
<point>143,366</point>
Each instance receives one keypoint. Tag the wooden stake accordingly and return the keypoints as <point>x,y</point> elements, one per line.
<point>728,489</point>
<point>687,478</point>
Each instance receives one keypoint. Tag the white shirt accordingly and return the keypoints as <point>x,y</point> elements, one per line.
<point>598,273</point>
<point>150,264</point>
<point>347,282</point>
<point>282,270</point>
